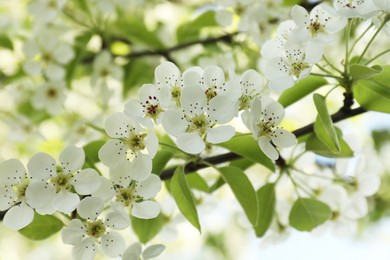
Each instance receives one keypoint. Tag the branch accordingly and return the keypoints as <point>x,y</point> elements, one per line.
<point>218,159</point>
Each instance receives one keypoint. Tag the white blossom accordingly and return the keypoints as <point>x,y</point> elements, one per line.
<point>135,252</point>
<point>50,96</point>
<point>355,8</point>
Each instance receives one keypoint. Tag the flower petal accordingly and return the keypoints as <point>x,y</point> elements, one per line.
<point>18,216</point>
<point>112,244</point>
<point>153,251</point>
<point>220,134</point>
<point>267,148</point>
<point>118,125</point>
<point>283,138</point>
<point>148,188</point>
<point>151,143</point>
<point>118,219</point>
<point>11,171</point>
<point>174,122</point>
<point>274,112</point>
<point>193,100</point>
<point>7,195</point>
<point>167,73</point>
<point>39,194</point>
<point>86,181</point>
<point>120,174</point>
<point>192,78</point>
<point>112,153</point>
<point>73,233</point>
<point>105,191</point>
<point>190,143</point>
<point>300,16</point>
<point>66,201</point>
<point>85,250</point>
<point>133,252</point>
<point>213,76</point>
<point>368,184</point>
<point>221,109</point>
<point>41,166</point>
<point>90,207</point>
<point>72,159</point>
<point>141,167</point>
<point>145,209</point>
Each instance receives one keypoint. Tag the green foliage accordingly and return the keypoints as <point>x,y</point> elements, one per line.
<point>185,201</point>
<point>136,73</point>
<point>363,72</point>
<point>195,181</point>
<point>146,229</point>
<point>6,42</point>
<point>291,2</point>
<point>91,151</point>
<point>190,31</point>
<point>243,190</point>
<point>317,146</point>
<point>36,116</point>
<point>374,93</point>
<point>306,214</point>
<point>42,227</point>
<point>160,160</point>
<point>301,89</point>
<point>266,199</point>
<point>323,126</point>
<point>247,147</point>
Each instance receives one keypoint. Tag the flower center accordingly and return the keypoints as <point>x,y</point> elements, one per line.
<point>20,189</point>
<point>95,228</point>
<point>136,141</point>
<point>125,196</point>
<point>211,93</point>
<point>266,127</point>
<point>152,107</point>
<point>198,122</point>
<point>297,68</point>
<point>51,93</point>
<point>62,181</point>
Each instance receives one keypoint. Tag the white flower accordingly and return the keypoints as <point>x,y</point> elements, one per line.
<point>262,120</point>
<point>168,74</point>
<point>293,63</point>
<point>57,184</point>
<point>196,122</point>
<point>154,100</point>
<point>48,53</point>
<point>84,235</point>
<point>50,96</point>
<point>103,68</point>
<point>131,146</point>
<point>13,185</point>
<point>135,252</point>
<point>46,10</point>
<point>319,24</point>
<point>355,8</point>
<point>132,194</point>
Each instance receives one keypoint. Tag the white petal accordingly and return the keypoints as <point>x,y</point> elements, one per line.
<point>251,79</point>
<point>368,184</point>
<point>213,76</point>
<point>54,72</point>
<point>85,250</point>
<point>120,174</point>
<point>148,188</point>
<point>141,167</point>
<point>106,190</point>
<point>117,219</point>
<point>221,109</point>
<point>274,112</point>
<point>39,194</point>
<point>112,244</point>
<point>224,17</point>
<point>356,207</point>
<point>86,181</point>
<point>145,209</point>
<point>118,125</point>
<point>66,201</point>
<point>272,48</point>
<point>283,138</point>
<point>32,68</point>
<point>281,83</point>
<point>112,153</point>
<point>133,108</point>
<point>73,233</point>
<point>220,134</point>
<point>90,207</point>
<point>18,216</point>
<point>167,73</point>
<point>11,171</point>
<point>336,24</point>
<point>41,166</point>
<point>151,143</point>
<point>72,158</point>
<point>300,16</point>
<point>63,54</point>
<point>192,78</point>
<point>267,148</point>
<point>313,52</point>
<point>133,252</point>
<point>153,251</point>
<point>7,194</point>
<point>193,100</point>
<point>173,122</point>
<point>190,143</point>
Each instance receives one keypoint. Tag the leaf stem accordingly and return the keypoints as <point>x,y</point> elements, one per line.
<point>370,42</point>
<point>377,56</point>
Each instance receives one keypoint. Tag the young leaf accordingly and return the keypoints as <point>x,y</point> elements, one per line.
<point>243,191</point>
<point>160,160</point>
<point>92,149</point>
<point>190,31</point>
<point>6,42</point>
<point>307,214</point>
<point>323,126</point>
<point>184,199</point>
<point>197,182</point>
<point>217,184</point>
<point>374,94</point>
<point>362,72</point>
<point>248,148</point>
<point>146,229</point>
<point>266,206</point>
<point>317,146</point>
<point>43,226</point>
<point>301,89</point>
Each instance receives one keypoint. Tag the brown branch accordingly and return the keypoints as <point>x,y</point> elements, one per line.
<point>218,159</point>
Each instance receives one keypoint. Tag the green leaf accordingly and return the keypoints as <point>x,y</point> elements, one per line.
<point>266,206</point>
<point>190,31</point>
<point>243,191</point>
<point>146,229</point>
<point>184,199</point>
<point>92,149</point>
<point>195,181</point>
<point>291,2</point>
<point>217,184</point>
<point>307,214</point>
<point>317,146</point>
<point>42,227</point>
<point>301,89</point>
<point>374,94</point>
<point>323,126</point>
<point>160,160</point>
<point>136,73</point>
<point>6,42</point>
<point>363,72</point>
<point>247,147</point>
<point>242,164</point>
